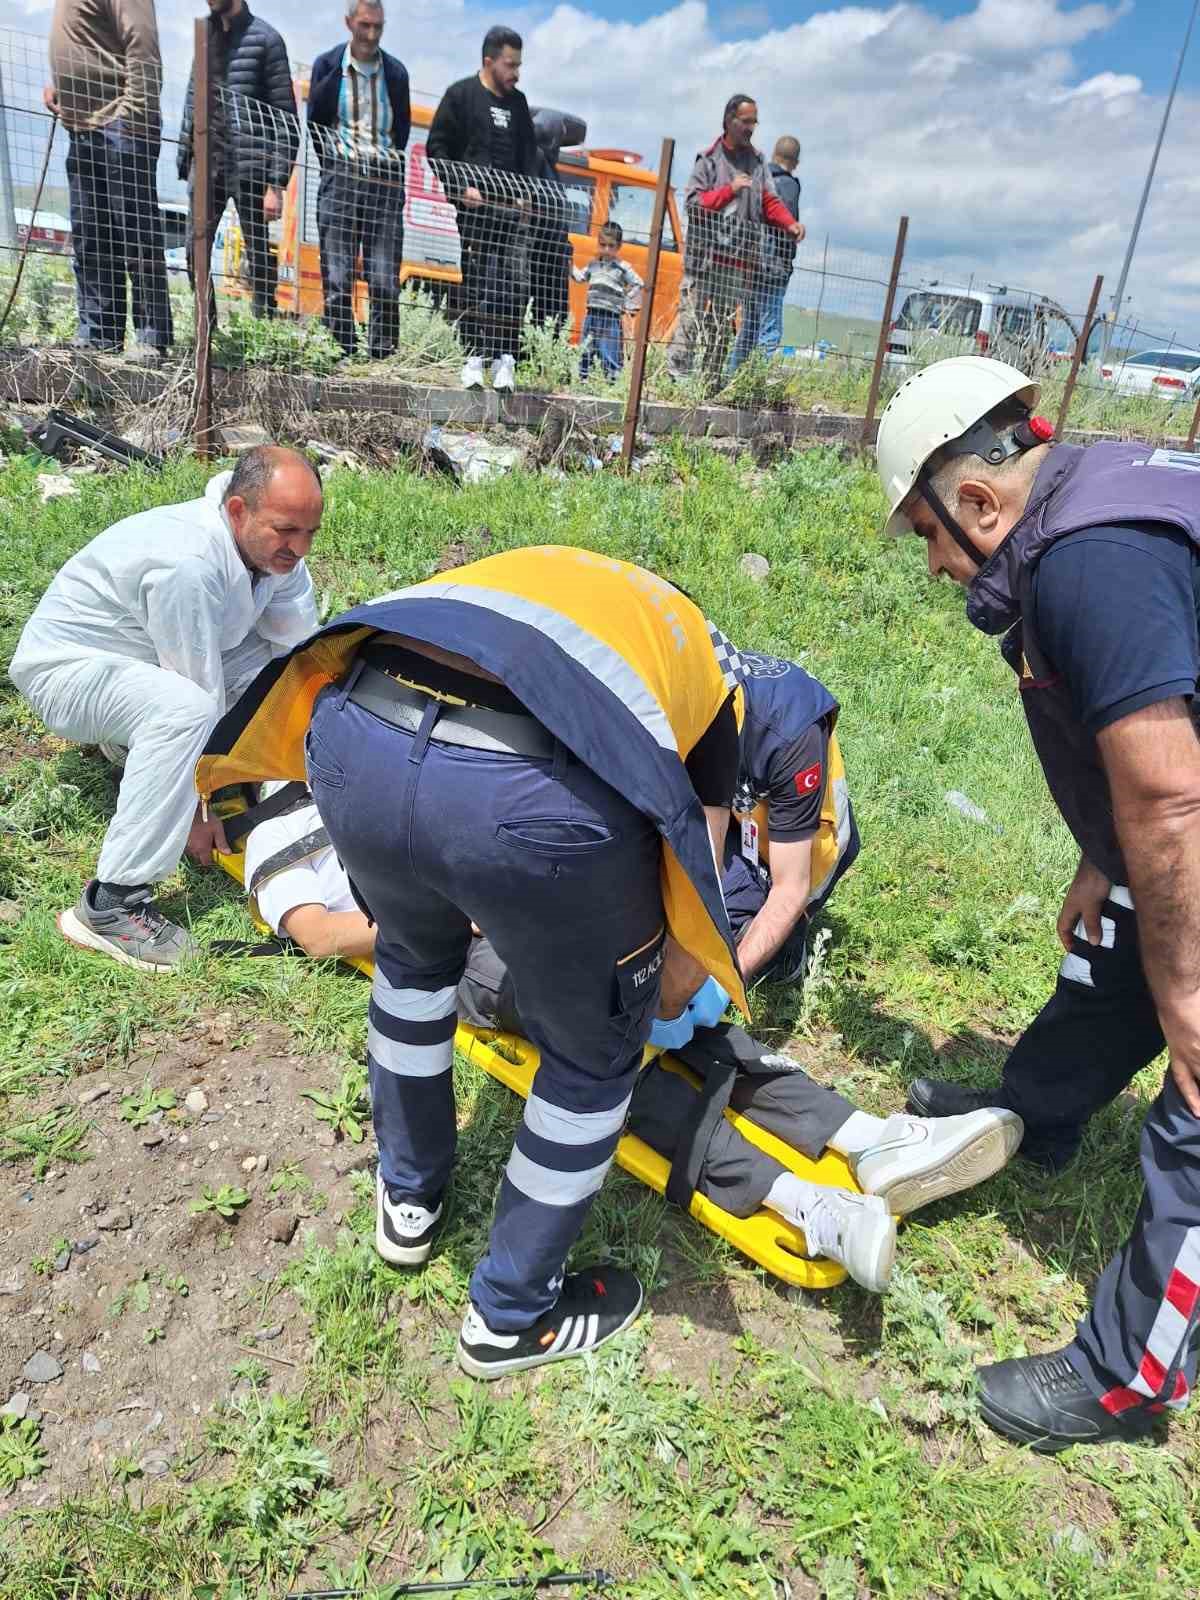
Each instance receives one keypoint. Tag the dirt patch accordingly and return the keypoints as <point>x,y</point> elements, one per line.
<point>149,1305</point>
<point>19,747</point>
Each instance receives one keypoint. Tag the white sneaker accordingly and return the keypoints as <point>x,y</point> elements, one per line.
<point>504,373</point>
<point>855,1230</point>
<point>403,1232</point>
<point>920,1159</point>
<point>472,373</point>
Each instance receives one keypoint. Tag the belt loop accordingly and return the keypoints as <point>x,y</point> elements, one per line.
<point>346,687</point>
<point>432,711</point>
<point>561,756</point>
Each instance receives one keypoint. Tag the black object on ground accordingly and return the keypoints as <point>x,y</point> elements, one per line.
<point>599,1579</point>
<point>60,429</point>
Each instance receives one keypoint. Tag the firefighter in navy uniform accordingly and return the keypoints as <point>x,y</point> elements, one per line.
<point>793,833</point>
<point>543,743</point>
<point>1087,562</point>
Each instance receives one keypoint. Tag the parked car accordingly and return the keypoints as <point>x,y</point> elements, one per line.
<point>1170,374</point>
<point>943,319</point>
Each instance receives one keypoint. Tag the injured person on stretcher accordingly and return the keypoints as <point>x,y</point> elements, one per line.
<point>900,1162</point>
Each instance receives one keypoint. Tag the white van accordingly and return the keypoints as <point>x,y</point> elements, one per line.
<point>944,319</point>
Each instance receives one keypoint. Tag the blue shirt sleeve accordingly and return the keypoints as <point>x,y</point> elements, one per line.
<point>1115,612</point>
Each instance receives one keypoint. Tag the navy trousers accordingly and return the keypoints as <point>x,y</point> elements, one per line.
<point>745,889</point>
<point>360,212</point>
<point>1100,1028</point>
<point>260,263</point>
<point>564,875</point>
<point>116,230</point>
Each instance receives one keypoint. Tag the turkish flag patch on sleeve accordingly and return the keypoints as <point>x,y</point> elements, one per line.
<point>809,781</point>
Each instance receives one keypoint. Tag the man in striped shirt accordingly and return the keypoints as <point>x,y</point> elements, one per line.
<point>358,111</point>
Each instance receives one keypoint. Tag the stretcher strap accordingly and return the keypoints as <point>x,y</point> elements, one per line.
<point>292,855</point>
<point>696,1135</point>
<point>290,798</point>
<point>251,947</point>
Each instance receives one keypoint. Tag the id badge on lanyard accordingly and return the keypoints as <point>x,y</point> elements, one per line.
<point>750,841</point>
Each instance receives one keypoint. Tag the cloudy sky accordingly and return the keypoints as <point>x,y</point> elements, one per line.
<point>1015,133</point>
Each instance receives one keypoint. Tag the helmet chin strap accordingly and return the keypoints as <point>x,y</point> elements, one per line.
<point>949,521</point>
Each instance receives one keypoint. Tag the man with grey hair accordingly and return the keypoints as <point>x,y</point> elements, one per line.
<point>358,110</point>
<point>139,645</point>
<point>1088,563</point>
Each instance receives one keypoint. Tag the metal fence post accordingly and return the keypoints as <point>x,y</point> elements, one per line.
<point>202,239</point>
<point>884,330</point>
<point>1195,427</point>
<point>1080,349</point>
<point>642,339</point>
<point>9,238</point>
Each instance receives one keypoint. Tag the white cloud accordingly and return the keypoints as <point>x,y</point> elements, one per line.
<point>979,127</point>
<point>1107,86</point>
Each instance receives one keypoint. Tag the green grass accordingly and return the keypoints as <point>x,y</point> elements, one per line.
<point>738,1436</point>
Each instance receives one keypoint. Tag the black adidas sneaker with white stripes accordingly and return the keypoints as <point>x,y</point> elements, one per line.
<point>403,1231</point>
<point>594,1305</point>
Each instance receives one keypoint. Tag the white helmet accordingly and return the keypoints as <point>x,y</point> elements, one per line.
<point>932,407</point>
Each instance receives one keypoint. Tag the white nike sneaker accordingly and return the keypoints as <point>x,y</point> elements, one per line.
<point>472,373</point>
<point>403,1231</point>
<point>504,373</point>
<point>855,1230</point>
<point>920,1159</point>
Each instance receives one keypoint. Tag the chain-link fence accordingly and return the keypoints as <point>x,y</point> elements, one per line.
<point>343,255</point>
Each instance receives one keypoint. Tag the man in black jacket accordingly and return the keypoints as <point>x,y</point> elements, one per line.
<point>254,135</point>
<point>358,110</point>
<point>483,124</point>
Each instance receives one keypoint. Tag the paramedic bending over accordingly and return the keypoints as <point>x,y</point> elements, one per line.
<point>538,743</point>
<point>139,644</point>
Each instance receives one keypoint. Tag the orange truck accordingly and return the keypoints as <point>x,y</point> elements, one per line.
<point>602,186</point>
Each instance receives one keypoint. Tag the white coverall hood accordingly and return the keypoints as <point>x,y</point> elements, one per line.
<point>142,640</point>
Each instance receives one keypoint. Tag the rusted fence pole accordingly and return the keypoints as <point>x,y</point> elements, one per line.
<point>884,330</point>
<point>202,240</point>
<point>1195,427</point>
<point>1077,359</point>
<point>637,372</point>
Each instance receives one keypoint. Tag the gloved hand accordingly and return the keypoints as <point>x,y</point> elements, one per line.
<point>707,1005</point>
<point>672,1033</point>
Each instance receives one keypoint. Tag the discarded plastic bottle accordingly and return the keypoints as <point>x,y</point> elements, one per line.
<point>959,802</point>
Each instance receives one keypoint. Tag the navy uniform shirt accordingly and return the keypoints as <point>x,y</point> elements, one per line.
<point>1115,611</point>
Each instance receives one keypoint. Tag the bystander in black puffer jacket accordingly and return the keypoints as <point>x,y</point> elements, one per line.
<point>250,61</point>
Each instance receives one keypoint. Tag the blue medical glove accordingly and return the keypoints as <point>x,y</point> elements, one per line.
<point>672,1033</point>
<point>707,1005</point>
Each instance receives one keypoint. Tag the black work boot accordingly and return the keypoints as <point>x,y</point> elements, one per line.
<point>1042,1401</point>
<point>935,1097</point>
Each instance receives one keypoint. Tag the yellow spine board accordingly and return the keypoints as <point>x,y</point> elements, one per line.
<point>765,1238</point>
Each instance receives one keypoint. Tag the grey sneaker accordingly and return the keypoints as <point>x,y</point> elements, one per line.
<point>136,934</point>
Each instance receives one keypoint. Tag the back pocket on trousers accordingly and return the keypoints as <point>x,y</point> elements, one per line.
<point>321,765</point>
<point>554,836</point>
